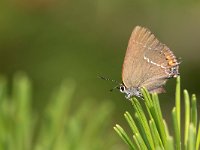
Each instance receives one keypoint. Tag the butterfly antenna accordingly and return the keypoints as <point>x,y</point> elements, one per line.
<point>107,79</point>
<point>116,87</point>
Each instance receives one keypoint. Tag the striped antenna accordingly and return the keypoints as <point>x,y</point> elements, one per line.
<point>104,78</point>
<point>107,79</point>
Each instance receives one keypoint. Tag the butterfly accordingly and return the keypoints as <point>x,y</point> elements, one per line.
<point>148,63</point>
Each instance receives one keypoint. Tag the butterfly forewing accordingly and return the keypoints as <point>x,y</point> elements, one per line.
<point>131,66</point>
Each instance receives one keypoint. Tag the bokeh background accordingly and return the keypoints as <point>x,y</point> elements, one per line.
<point>51,40</point>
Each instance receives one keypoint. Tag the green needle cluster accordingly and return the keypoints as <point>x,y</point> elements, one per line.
<point>150,131</point>
<point>59,126</point>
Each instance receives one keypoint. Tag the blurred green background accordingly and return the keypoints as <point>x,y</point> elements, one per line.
<point>52,40</point>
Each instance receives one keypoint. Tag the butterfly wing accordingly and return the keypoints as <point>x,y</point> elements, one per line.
<point>148,62</point>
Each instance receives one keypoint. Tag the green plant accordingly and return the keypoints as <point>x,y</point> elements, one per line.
<point>60,126</point>
<point>151,132</point>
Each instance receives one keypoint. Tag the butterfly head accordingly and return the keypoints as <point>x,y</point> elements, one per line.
<point>130,92</point>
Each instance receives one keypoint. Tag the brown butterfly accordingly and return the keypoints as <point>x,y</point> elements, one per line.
<point>148,63</point>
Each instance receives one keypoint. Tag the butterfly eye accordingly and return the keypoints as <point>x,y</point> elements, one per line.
<point>122,88</point>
